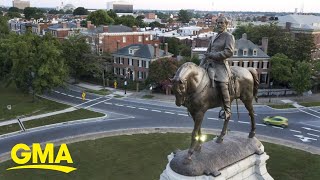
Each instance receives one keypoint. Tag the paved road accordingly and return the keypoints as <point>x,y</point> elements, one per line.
<point>124,113</point>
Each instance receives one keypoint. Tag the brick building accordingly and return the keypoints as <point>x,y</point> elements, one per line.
<point>133,61</point>
<point>65,29</point>
<point>113,37</point>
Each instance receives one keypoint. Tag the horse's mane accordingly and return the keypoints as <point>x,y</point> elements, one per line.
<point>182,72</point>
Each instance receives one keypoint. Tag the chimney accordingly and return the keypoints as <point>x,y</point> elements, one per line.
<point>288,26</point>
<point>265,44</point>
<point>134,28</point>
<point>88,24</point>
<point>64,25</point>
<point>244,36</point>
<point>166,48</point>
<point>156,50</point>
<point>78,24</point>
<point>105,28</point>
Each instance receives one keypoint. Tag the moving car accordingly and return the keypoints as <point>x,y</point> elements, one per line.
<point>276,120</point>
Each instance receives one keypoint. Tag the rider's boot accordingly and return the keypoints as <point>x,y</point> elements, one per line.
<point>225,99</point>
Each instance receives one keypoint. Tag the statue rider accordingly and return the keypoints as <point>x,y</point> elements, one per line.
<point>220,48</point>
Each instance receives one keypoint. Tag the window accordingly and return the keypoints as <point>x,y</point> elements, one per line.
<point>147,64</point>
<point>144,64</point>
<point>130,62</point>
<point>245,64</point>
<point>245,52</point>
<point>255,52</point>
<point>114,70</point>
<point>121,71</point>
<point>151,37</point>
<point>147,38</point>
<point>131,51</point>
<point>124,39</point>
<point>235,52</point>
<point>263,78</point>
<point>114,60</point>
<point>140,39</point>
<point>139,74</point>
<point>265,65</point>
<point>140,63</point>
<point>121,60</point>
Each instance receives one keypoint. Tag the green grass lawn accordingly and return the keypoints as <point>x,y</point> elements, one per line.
<point>309,104</point>
<point>144,157</point>
<point>22,104</point>
<point>281,106</point>
<point>74,115</point>
<point>100,92</point>
<point>147,96</point>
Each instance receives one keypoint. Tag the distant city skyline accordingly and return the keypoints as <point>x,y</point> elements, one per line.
<point>205,5</point>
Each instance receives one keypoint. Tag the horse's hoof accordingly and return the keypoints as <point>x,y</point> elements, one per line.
<point>252,134</point>
<point>219,140</point>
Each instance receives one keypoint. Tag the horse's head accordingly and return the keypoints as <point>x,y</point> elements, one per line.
<point>180,82</point>
<point>179,89</point>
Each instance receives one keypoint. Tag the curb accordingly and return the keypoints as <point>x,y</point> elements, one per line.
<point>93,136</point>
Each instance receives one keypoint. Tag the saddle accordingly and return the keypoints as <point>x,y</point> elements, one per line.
<point>231,84</point>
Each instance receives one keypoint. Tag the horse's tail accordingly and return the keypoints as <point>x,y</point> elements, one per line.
<point>254,74</point>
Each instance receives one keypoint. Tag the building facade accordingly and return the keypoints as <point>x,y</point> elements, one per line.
<point>65,29</point>
<point>20,4</point>
<point>133,61</point>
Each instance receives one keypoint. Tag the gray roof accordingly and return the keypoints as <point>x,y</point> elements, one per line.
<point>112,29</point>
<point>59,26</point>
<point>243,43</point>
<point>142,51</point>
<point>301,21</point>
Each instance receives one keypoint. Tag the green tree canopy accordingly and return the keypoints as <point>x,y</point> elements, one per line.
<point>32,12</point>
<point>156,24</point>
<point>161,70</point>
<point>100,17</point>
<point>12,15</point>
<point>4,28</point>
<point>80,11</point>
<point>301,77</point>
<point>37,63</point>
<point>281,70</point>
<point>74,50</point>
<point>126,20</point>
<point>15,9</point>
<point>53,11</point>
<point>112,14</point>
<point>162,15</point>
<point>173,46</point>
<point>184,16</point>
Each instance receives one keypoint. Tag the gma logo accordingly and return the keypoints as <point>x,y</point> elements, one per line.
<point>47,157</point>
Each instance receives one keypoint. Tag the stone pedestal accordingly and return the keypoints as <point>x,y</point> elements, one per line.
<point>239,158</point>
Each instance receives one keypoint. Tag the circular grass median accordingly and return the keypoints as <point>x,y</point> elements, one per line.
<point>144,157</point>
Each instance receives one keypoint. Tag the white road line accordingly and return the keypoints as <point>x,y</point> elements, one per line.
<point>261,125</point>
<point>310,129</point>
<point>242,122</point>
<point>169,112</point>
<point>277,127</point>
<point>57,92</point>
<point>70,95</point>
<point>294,131</point>
<point>216,119</point>
<point>64,94</point>
<point>88,101</point>
<point>108,103</point>
<point>119,105</point>
<point>143,109</point>
<point>313,110</point>
<point>78,97</point>
<point>183,114</point>
<point>96,103</point>
<point>309,113</point>
<point>155,110</point>
<point>313,135</point>
<point>131,107</point>
<point>231,120</point>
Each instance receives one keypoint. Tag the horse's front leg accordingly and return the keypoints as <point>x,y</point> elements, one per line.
<point>224,130</point>
<point>196,133</point>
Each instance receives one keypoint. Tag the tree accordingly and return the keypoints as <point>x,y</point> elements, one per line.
<point>301,78</point>
<point>4,28</point>
<point>32,12</point>
<point>74,50</point>
<point>129,21</point>
<point>173,46</point>
<point>281,70</point>
<point>185,51</point>
<point>53,11</point>
<point>161,70</point>
<point>12,15</point>
<point>156,24</point>
<point>80,11</point>
<point>37,63</point>
<point>100,17</point>
<point>184,16</point>
<point>14,9</point>
<point>69,11</point>
<point>162,15</point>
<point>112,14</point>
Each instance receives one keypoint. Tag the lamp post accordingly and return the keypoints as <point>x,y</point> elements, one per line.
<point>271,83</point>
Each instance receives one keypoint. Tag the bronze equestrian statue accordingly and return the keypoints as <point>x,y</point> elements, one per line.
<point>200,88</point>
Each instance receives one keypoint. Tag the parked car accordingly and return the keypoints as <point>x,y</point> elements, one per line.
<point>276,120</point>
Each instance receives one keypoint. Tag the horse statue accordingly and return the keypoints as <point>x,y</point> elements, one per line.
<point>192,89</point>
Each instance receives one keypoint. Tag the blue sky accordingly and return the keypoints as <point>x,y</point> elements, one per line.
<point>228,5</point>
